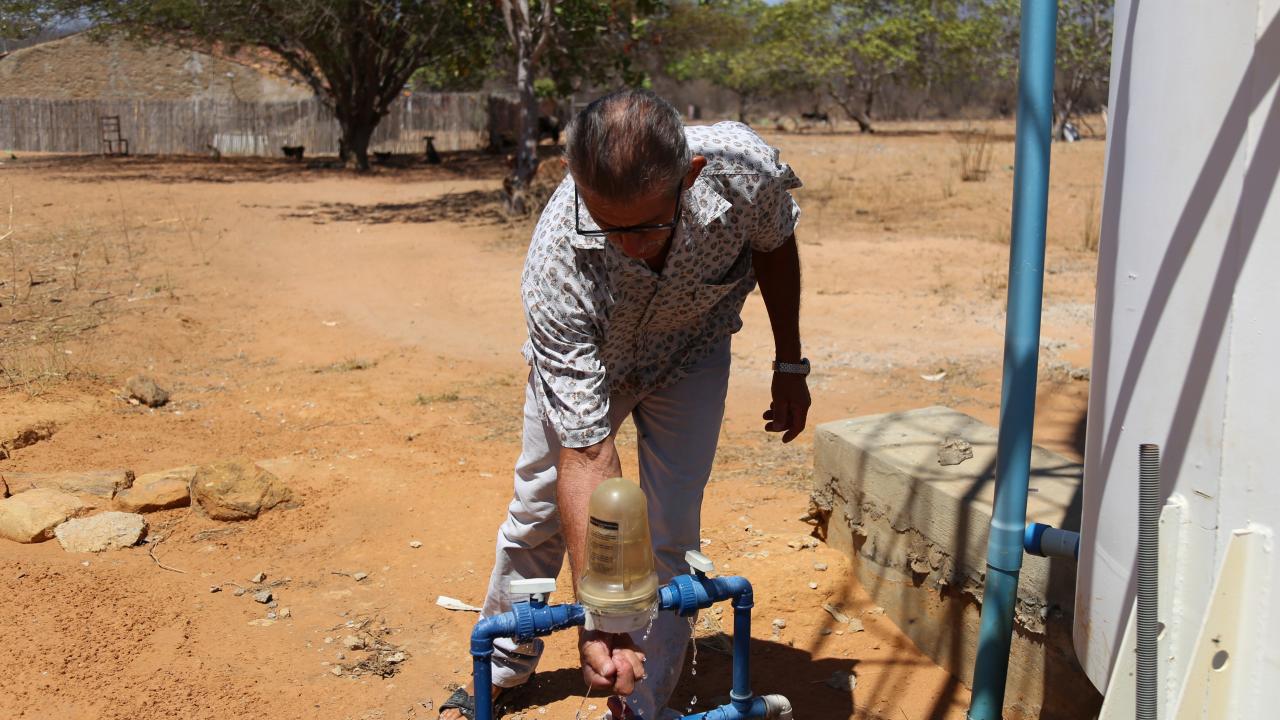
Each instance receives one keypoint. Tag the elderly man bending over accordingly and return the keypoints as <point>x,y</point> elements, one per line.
<point>633,286</point>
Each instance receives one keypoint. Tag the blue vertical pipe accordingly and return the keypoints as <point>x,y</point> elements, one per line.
<point>1021,354</point>
<point>740,694</point>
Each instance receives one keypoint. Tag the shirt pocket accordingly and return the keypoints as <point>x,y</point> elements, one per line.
<point>687,309</point>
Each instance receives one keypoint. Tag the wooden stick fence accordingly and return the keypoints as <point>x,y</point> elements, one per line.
<point>458,121</point>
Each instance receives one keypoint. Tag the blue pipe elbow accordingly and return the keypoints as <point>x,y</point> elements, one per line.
<point>490,629</point>
<point>524,622</point>
<point>687,594</point>
<point>758,708</point>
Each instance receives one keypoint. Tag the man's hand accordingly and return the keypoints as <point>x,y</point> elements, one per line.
<point>790,408</point>
<point>611,663</point>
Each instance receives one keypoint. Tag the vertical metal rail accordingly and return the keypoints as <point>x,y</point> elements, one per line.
<point>1148,579</point>
<point>1021,354</point>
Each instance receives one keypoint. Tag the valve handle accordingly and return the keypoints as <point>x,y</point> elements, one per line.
<point>698,563</point>
<point>533,586</point>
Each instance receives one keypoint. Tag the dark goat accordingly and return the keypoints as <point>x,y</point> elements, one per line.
<point>433,157</point>
<point>293,152</point>
<point>549,126</point>
<point>816,117</point>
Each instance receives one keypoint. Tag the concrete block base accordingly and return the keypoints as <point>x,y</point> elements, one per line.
<point>916,530</point>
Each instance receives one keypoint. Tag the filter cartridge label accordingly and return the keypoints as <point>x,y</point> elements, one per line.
<point>604,547</point>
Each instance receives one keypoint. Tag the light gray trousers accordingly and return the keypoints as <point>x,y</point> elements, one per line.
<point>677,428</point>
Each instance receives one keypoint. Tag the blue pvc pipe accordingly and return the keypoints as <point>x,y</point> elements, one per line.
<point>740,694</point>
<point>524,622</point>
<point>750,710</point>
<point>1021,354</point>
<point>685,595</point>
<point>1048,541</point>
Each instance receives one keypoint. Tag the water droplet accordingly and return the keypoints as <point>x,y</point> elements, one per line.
<point>648,629</point>
<point>693,642</point>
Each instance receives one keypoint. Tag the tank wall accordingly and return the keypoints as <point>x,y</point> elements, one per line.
<point>1188,299</point>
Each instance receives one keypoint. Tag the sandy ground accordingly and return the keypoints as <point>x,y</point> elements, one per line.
<point>362,334</point>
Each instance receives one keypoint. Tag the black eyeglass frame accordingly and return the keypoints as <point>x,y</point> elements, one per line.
<point>577,223</point>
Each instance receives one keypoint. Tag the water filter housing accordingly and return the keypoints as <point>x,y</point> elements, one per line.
<point>619,589</point>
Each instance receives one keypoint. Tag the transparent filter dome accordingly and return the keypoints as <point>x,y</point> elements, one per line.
<point>620,587</point>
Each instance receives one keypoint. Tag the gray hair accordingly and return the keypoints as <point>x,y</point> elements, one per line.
<point>627,144</point>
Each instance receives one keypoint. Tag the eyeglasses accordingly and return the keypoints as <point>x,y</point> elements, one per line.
<point>675,220</point>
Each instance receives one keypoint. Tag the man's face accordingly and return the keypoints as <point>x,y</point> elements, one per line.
<point>659,206</point>
<point>654,208</point>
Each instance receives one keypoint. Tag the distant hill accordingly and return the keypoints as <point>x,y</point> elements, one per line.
<point>80,67</point>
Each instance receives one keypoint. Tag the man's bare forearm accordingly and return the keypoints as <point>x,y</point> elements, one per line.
<point>580,471</point>
<point>778,274</point>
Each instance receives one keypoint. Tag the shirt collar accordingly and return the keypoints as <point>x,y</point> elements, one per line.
<point>701,203</point>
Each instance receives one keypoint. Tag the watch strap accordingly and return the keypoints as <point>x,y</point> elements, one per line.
<point>800,368</point>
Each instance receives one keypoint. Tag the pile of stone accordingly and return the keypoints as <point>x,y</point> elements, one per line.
<point>35,507</point>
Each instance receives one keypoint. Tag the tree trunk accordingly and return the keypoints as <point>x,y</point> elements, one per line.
<point>526,160</point>
<point>856,114</point>
<point>1062,115</point>
<point>742,108</point>
<point>863,120</point>
<point>353,148</point>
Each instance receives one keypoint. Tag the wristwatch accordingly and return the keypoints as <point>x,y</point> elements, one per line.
<point>800,368</point>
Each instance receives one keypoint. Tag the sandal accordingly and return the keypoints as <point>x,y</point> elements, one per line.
<point>460,701</point>
<point>465,703</point>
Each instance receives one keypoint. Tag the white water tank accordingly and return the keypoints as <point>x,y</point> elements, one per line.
<point>1187,332</point>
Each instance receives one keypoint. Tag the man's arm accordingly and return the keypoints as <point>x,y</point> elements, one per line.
<point>778,273</point>
<point>609,662</point>
<point>580,471</point>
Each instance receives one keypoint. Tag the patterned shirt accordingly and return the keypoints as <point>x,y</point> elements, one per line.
<point>601,322</point>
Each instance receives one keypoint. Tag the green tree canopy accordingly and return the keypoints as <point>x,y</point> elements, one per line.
<point>1083,52</point>
<point>357,55</point>
<point>733,44</point>
<point>569,43</point>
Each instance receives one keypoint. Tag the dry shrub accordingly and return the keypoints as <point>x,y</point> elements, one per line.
<point>974,153</point>
<point>1092,224</point>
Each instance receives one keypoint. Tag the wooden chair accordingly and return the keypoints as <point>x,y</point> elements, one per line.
<point>113,143</point>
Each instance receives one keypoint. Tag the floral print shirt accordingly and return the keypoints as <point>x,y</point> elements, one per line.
<point>601,323</point>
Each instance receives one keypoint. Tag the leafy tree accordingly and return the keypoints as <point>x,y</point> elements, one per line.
<point>1084,57</point>
<point>733,44</point>
<point>1083,52</point>
<point>568,42</point>
<point>357,55</point>
<point>851,49</point>
<point>957,47</point>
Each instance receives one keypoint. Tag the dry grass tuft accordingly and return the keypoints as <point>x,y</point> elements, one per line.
<point>1091,229</point>
<point>974,153</point>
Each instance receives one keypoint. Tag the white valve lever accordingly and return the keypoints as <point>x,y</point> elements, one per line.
<point>537,588</point>
<point>699,563</point>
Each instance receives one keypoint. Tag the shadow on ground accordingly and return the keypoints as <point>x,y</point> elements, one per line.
<point>466,164</point>
<point>473,206</point>
<point>775,668</point>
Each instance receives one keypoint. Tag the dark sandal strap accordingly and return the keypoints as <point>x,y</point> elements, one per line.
<point>460,700</point>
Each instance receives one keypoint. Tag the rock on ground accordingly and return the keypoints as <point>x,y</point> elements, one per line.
<point>236,490</point>
<point>99,483</point>
<point>146,391</point>
<point>27,436</point>
<point>158,491</point>
<point>105,531</point>
<point>31,516</point>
